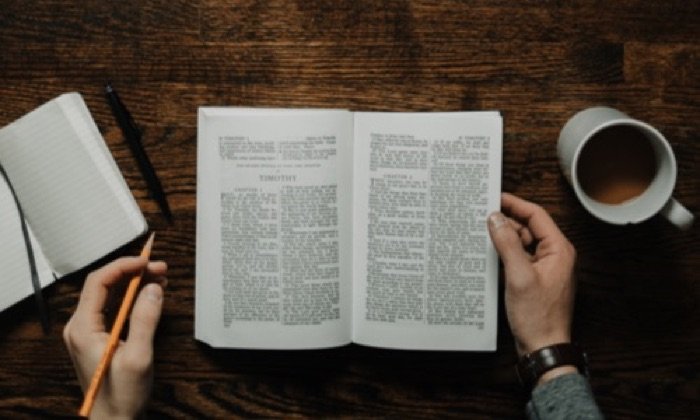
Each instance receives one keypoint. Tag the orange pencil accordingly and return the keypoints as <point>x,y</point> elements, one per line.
<point>114,335</point>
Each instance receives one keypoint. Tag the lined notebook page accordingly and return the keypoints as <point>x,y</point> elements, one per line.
<point>72,193</point>
<point>15,278</point>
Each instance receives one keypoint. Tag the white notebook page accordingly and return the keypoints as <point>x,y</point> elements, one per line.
<point>73,196</point>
<point>15,278</point>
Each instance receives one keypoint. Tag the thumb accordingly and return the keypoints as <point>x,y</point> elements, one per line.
<point>507,242</point>
<point>144,320</point>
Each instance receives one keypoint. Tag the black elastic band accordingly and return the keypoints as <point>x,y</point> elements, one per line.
<point>38,297</point>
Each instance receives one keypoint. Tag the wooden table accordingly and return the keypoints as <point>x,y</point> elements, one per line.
<point>537,61</point>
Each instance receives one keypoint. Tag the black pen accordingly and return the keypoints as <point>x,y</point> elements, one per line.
<point>133,137</point>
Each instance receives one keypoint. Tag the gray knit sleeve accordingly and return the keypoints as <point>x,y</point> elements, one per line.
<point>564,397</point>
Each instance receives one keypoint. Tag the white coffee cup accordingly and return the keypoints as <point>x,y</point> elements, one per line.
<point>581,128</point>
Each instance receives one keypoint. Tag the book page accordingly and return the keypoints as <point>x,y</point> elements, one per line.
<point>425,271</point>
<point>72,193</point>
<point>273,228</point>
<point>15,277</point>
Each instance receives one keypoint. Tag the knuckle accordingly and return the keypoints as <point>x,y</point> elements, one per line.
<point>570,250</point>
<point>519,282</point>
<point>539,210</point>
<point>74,341</point>
<point>136,363</point>
<point>92,277</point>
<point>67,339</point>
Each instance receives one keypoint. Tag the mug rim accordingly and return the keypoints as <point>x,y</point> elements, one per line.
<point>585,198</point>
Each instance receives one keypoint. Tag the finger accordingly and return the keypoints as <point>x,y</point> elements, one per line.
<point>143,322</point>
<point>88,314</point>
<point>161,280</point>
<point>96,289</point>
<point>538,221</point>
<point>526,236</point>
<point>524,233</point>
<point>156,273</point>
<point>156,269</point>
<point>507,242</point>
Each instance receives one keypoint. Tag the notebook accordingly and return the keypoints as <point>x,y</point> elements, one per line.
<point>77,206</point>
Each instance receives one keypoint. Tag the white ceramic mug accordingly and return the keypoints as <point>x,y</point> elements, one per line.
<point>655,199</point>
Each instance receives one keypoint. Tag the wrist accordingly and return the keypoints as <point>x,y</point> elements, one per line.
<point>523,347</point>
<point>108,411</point>
<point>556,372</point>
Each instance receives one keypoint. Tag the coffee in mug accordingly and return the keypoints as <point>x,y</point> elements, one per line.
<point>622,170</point>
<point>616,164</point>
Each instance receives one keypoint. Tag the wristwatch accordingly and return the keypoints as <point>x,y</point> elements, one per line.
<point>533,365</point>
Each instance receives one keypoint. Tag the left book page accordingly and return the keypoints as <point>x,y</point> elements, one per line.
<point>76,201</point>
<point>273,228</point>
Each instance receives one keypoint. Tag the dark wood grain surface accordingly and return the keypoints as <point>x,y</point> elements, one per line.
<point>537,61</point>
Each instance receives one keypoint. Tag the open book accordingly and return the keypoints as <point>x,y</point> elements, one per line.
<point>76,203</point>
<point>318,228</point>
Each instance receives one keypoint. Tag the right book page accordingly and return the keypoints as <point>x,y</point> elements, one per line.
<point>425,273</point>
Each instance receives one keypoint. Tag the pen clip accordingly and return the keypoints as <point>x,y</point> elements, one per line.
<point>118,106</point>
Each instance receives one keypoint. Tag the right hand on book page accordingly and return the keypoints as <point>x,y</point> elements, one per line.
<point>539,289</point>
<point>127,387</point>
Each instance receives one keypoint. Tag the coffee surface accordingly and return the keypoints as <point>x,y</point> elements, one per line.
<point>616,165</point>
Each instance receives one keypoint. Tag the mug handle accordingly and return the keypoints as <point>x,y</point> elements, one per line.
<point>677,214</point>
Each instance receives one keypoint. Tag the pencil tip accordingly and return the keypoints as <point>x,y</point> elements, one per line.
<point>149,242</point>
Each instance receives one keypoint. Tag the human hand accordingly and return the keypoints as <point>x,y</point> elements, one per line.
<point>127,385</point>
<point>540,287</point>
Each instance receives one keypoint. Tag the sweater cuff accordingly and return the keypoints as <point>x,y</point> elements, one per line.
<point>564,397</point>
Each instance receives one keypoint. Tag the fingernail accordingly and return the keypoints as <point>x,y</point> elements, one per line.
<point>154,293</point>
<point>496,220</point>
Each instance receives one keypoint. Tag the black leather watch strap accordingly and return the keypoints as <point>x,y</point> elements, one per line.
<point>533,365</point>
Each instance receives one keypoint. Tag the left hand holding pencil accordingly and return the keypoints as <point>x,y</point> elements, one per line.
<point>127,385</point>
